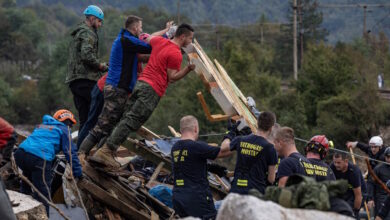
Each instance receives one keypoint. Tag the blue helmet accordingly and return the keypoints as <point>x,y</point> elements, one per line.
<point>95,11</point>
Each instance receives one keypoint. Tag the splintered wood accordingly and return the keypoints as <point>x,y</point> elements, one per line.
<point>222,88</point>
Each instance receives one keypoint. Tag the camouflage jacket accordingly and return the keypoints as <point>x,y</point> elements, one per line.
<point>83,60</point>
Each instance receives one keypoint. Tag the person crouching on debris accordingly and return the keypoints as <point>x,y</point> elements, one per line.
<point>36,154</point>
<point>191,192</point>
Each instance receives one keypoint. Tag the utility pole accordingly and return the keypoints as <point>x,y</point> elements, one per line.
<point>178,12</point>
<point>295,49</point>
<point>364,22</point>
<point>301,30</point>
<point>217,35</point>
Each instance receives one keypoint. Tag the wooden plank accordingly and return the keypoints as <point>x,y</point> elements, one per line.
<point>140,149</point>
<point>147,134</point>
<point>109,184</point>
<point>206,110</point>
<point>174,132</point>
<point>241,108</point>
<point>222,100</point>
<point>110,215</point>
<point>115,204</point>
<point>154,216</point>
<point>155,174</point>
<point>230,81</point>
<point>212,69</point>
<point>200,68</point>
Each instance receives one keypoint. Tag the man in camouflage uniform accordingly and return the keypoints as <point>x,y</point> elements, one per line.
<point>164,67</point>
<point>84,68</point>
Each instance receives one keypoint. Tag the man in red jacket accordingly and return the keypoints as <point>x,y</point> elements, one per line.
<point>7,139</point>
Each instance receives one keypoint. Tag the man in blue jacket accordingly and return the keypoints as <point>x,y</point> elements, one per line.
<point>36,154</point>
<point>122,76</point>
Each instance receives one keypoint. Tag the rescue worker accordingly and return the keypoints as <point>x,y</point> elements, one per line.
<point>8,139</point>
<point>97,101</point>
<point>374,149</point>
<point>293,162</point>
<point>377,195</point>
<point>121,79</point>
<point>343,169</point>
<point>97,98</point>
<point>191,192</point>
<point>256,157</point>
<point>164,67</point>
<point>384,209</point>
<point>84,67</point>
<point>316,150</point>
<point>36,154</point>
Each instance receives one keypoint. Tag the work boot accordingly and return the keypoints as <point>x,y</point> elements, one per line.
<point>106,156</point>
<point>88,143</point>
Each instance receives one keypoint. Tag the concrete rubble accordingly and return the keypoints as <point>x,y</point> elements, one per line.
<point>239,207</point>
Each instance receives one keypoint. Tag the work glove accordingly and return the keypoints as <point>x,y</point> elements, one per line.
<point>251,102</point>
<point>351,144</point>
<point>103,67</point>
<point>171,32</point>
<point>217,169</point>
<point>232,130</point>
<point>245,131</point>
<point>356,212</point>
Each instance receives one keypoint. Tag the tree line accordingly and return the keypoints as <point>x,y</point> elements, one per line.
<point>335,94</point>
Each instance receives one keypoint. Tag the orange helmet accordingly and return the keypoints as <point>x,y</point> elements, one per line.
<point>63,114</point>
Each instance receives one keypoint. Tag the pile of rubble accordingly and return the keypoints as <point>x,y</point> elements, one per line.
<point>141,189</point>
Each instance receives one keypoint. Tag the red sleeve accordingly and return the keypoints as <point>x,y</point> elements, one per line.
<point>102,82</point>
<point>6,131</point>
<point>174,61</point>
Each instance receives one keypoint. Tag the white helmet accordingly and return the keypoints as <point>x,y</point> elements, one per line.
<point>376,141</point>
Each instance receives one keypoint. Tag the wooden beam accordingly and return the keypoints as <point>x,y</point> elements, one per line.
<point>140,149</point>
<point>109,184</point>
<point>110,215</point>
<point>155,174</point>
<point>115,204</point>
<point>206,110</point>
<point>154,216</point>
<point>174,132</point>
<point>147,134</point>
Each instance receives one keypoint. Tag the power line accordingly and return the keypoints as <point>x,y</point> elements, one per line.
<point>346,152</point>
<point>358,5</point>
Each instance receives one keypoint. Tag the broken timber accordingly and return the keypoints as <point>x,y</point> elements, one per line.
<point>115,204</point>
<point>222,88</point>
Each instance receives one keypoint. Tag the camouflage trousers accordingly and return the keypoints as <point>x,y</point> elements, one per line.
<point>113,108</point>
<point>141,105</point>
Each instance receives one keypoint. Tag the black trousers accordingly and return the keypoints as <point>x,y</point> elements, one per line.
<point>81,90</point>
<point>34,168</point>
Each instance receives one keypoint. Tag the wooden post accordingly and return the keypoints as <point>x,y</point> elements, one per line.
<point>295,47</point>
<point>365,203</point>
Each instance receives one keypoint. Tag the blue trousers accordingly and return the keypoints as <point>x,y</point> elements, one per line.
<point>97,101</point>
<point>32,167</point>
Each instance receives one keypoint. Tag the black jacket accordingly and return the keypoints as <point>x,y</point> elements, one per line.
<point>366,149</point>
<point>384,208</point>
<point>375,192</point>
